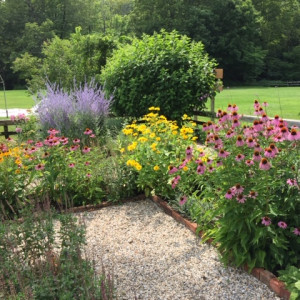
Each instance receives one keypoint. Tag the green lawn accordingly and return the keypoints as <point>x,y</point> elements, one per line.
<point>284,101</point>
<point>16,99</point>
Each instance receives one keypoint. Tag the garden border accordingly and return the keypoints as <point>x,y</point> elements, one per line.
<point>263,275</point>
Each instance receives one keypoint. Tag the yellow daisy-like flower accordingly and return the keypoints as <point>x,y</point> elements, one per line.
<point>152,135</point>
<point>134,163</point>
<point>127,131</point>
<point>174,132</point>
<point>156,168</point>
<point>185,168</point>
<point>142,139</point>
<point>122,150</point>
<point>154,108</point>
<point>153,146</point>
<point>158,138</point>
<point>194,138</point>
<point>132,146</point>
<point>185,117</point>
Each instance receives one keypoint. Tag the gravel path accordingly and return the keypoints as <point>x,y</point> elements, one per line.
<point>154,257</point>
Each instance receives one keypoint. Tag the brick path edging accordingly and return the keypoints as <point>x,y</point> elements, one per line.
<point>261,274</point>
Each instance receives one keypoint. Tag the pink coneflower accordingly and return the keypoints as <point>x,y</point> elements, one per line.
<point>71,165</point>
<point>29,142</point>
<point>172,170</point>
<point>256,104</point>
<point>235,115</point>
<point>13,117</point>
<point>183,200</point>
<point>64,140</point>
<point>257,147</point>
<point>294,135</point>
<point>229,194</point>
<point>250,142</point>
<point>201,154</point>
<point>239,141</point>
<point>223,153</point>
<point>240,198</point>
<point>266,221</point>
<point>256,156</point>
<point>209,161</point>
<point>76,141</point>
<point>217,140</point>
<point>46,154</point>
<point>282,224</point>
<point>235,107</point>
<point>18,130</point>
<point>265,104</point>
<point>88,175</point>
<point>74,147</point>
<point>92,135</point>
<point>189,152</point>
<point>40,167</point>
<point>253,194</point>
<point>229,134</point>
<point>33,149</point>
<point>284,132</point>
<point>296,231</point>
<point>264,118</point>
<point>239,157</point>
<point>53,131</point>
<point>175,181</point>
<point>88,131</point>
<point>201,168</point>
<point>257,126</point>
<point>86,149</point>
<point>264,164</point>
<point>269,153</point>
<point>274,148</point>
<point>39,144</point>
<point>219,163</point>
<point>292,182</point>
<point>211,169</point>
<point>237,189</point>
<point>235,123</point>
<point>87,163</point>
<point>219,113</point>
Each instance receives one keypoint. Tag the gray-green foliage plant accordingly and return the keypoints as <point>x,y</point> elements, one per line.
<point>291,277</point>
<point>41,257</point>
<point>166,70</point>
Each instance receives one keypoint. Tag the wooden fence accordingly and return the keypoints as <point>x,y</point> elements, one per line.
<point>5,124</point>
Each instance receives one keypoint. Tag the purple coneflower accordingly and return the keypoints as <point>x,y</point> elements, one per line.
<point>229,194</point>
<point>282,224</point>
<point>239,157</point>
<point>223,153</point>
<point>239,141</point>
<point>266,221</point>
<point>240,198</point>
<point>40,167</point>
<point>71,165</point>
<point>88,175</point>
<point>88,131</point>
<point>253,194</point>
<point>296,231</point>
<point>183,200</point>
<point>18,130</point>
<point>86,149</point>
<point>76,141</point>
<point>264,164</point>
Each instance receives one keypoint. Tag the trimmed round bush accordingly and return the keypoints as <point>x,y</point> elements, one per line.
<point>166,70</point>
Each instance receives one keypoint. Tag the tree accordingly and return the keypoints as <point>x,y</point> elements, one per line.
<point>166,70</point>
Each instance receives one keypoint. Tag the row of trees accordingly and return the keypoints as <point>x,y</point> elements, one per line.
<point>250,39</point>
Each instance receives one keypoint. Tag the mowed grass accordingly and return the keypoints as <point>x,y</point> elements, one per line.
<point>283,101</point>
<point>16,99</point>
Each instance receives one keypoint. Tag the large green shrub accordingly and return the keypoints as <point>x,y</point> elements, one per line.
<point>167,70</point>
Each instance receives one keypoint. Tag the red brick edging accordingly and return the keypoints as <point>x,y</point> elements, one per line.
<point>261,274</point>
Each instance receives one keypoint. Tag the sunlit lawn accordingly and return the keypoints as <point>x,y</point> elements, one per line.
<point>16,99</point>
<point>283,101</point>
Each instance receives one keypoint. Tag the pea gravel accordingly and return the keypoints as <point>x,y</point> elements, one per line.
<point>152,256</point>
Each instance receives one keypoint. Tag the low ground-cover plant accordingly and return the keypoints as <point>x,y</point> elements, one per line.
<point>152,146</point>
<point>291,277</point>
<point>42,257</point>
<point>72,111</point>
<point>249,189</point>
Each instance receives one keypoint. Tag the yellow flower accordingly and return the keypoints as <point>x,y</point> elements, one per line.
<point>174,132</point>
<point>127,131</point>
<point>156,168</point>
<point>185,117</point>
<point>122,150</point>
<point>154,108</point>
<point>153,146</point>
<point>158,138</point>
<point>143,139</point>
<point>152,135</point>
<point>194,138</point>
<point>134,163</point>
<point>185,168</point>
<point>17,171</point>
<point>132,146</point>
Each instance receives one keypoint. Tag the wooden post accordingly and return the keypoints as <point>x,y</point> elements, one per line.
<point>212,108</point>
<point>6,134</point>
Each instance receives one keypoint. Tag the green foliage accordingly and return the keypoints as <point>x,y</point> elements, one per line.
<point>291,277</point>
<point>81,57</point>
<point>165,70</point>
<point>40,261</point>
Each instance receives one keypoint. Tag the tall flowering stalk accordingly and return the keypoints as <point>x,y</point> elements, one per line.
<point>254,180</point>
<point>72,112</point>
